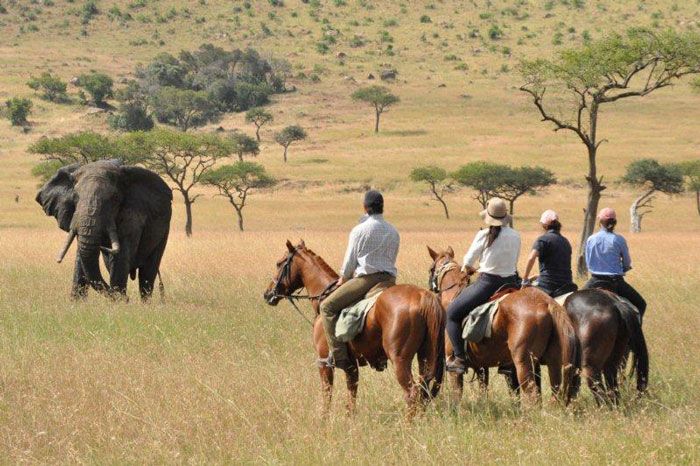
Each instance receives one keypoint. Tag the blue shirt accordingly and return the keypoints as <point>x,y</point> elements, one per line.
<point>607,254</point>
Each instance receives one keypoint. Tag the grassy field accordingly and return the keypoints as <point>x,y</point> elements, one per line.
<point>213,374</point>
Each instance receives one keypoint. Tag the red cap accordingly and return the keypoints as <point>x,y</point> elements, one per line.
<point>607,213</point>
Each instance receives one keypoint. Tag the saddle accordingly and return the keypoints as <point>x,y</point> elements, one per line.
<point>352,319</point>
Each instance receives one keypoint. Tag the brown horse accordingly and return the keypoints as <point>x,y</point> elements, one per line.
<point>606,329</point>
<point>529,328</point>
<point>404,322</point>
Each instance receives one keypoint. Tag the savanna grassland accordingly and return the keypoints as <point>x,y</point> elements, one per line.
<point>213,374</point>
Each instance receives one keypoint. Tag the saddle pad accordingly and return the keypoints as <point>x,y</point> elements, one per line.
<point>477,325</point>
<point>352,319</point>
<point>561,299</point>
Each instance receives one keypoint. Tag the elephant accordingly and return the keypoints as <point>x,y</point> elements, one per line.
<point>123,211</point>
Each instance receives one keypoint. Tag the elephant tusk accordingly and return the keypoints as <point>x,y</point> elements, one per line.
<point>115,242</point>
<point>66,246</point>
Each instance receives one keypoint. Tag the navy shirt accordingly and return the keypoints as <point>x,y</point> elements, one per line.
<point>555,260</point>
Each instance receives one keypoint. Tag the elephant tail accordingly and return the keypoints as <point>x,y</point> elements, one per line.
<point>161,287</point>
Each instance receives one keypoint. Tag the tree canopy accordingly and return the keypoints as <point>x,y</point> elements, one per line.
<point>691,171</point>
<point>288,135</point>
<point>378,97</point>
<point>652,177</point>
<point>242,144</point>
<point>259,117</point>
<point>236,182</point>
<point>98,85</point>
<point>52,87</point>
<point>437,180</point>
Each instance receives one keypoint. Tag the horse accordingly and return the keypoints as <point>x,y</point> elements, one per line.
<point>404,322</point>
<point>529,328</point>
<point>606,329</point>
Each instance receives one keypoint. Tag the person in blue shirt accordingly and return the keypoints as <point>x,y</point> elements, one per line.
<point>608,260</point>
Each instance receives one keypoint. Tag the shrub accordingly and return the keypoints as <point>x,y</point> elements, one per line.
<point>98,85</point>
<point>425,19</point>
<point>131,117</point>
<point>53,88</point>
<point>495,32</point>
<point>18,109</point>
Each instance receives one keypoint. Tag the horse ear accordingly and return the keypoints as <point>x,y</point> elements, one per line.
<point>432,253</point>
<point>290,246</point>
<point>302,244</point>
<point>450,252</point>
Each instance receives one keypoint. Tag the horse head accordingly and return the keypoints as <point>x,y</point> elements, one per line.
<point>288,277</point>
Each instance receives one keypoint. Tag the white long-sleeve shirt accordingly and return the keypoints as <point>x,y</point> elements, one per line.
<point>372,247</point>
<point>501,258</point>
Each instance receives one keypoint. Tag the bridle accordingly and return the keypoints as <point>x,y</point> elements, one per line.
<point>438,273</point>
<point>286,273</point>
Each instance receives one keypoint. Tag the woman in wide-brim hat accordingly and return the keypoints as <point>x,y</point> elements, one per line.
<point>496,248</point>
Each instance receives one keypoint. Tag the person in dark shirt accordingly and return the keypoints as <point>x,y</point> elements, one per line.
<point>553,252</point>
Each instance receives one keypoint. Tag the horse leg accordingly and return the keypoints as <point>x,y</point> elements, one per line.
<point>525,368</point>
<point>594,380</point>
<point>482,376</point>
<point>402,368</point>
<point>555,374</point>
<point>352,378</point>
<point>326,374</point>
<point>610,374</point>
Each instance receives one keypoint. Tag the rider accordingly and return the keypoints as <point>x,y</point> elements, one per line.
<point>369,260</point>
<point>553,251</point>
<point>497,249</point>
<point>608,260</point>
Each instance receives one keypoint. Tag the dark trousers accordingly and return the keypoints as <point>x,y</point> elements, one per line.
<point>618,285</point>
<point>472,296</point>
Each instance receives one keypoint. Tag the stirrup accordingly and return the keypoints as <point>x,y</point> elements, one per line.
<point>458,366</point>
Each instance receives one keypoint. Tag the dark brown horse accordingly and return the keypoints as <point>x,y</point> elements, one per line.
<point>606,329</point>
<point>404,322</point>
<point>529,328</point>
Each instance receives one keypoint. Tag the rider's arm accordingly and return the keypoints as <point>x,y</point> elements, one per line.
<point>475,250</point>
<point>625,254</point>
<point>350,261</point>
<point>530,262</point>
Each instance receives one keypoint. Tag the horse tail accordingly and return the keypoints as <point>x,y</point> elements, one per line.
<point>637,344</point>
<point>432,350</point>
<point>570,346</point>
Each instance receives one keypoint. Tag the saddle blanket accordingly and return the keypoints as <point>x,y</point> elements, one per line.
<point>352,319</point>
<point>561,299</point>
<point>477,325</point>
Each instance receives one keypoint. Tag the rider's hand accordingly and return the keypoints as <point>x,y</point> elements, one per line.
<point>470,270</point>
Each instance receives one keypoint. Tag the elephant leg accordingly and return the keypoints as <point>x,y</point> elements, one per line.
<point>119,271</point>
<point>149,271</point>
<point>80,281</point>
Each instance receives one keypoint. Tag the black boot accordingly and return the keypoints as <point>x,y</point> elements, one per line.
<point>457,365</point>
<point>331,363</point>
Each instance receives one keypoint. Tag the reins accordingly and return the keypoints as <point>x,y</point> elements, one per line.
<point>286,272</point>
<point>438,274</point>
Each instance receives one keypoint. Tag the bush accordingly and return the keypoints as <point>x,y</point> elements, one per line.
<point>98,85</point>
<point>54,89</point>
<point>131,117</point>
<point>425,19</point>
<point>495,32</point>
<point>18,109</point>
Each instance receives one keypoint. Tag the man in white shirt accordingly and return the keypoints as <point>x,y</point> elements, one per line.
<point>370,260</point>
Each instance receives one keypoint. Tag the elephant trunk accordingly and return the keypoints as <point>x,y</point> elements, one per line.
<point>89,251</point>
<point>66,246</point>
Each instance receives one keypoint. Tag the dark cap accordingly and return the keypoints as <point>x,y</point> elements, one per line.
<point>374,200</point>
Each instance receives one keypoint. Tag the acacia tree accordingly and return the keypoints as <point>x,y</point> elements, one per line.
<point>184,158</point>
<point>496,180</point>
<point>53,87</point>
<point>653,177</point>
<point>378,97</point>
<point>620,66</point>
<point>237,181</point>
<point>244,145</point>
<point>524,180</point>
<point>184,108</point>
<point>484,177</point>
<point>288,135</point>
<point>259,117</point>
<point>691,171</point>
<point>437,180</point>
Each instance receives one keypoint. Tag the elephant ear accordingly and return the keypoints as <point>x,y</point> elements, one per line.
<point>145,191</point>
<point>57,196</point>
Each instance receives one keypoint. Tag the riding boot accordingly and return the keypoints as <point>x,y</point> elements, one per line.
<point>458,365</point>
<point>337,350</point>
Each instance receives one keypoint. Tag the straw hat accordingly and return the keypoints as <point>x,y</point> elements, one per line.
<point>496,213</point>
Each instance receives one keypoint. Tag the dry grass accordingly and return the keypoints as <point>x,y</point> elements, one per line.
<point>214,375</point>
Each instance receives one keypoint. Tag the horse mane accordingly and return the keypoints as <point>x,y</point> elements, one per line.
<point>320,263</point>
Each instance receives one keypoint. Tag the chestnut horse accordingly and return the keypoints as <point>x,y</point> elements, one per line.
<point>404,322</point>
<point>606,329</point>
<point>529,328</point>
